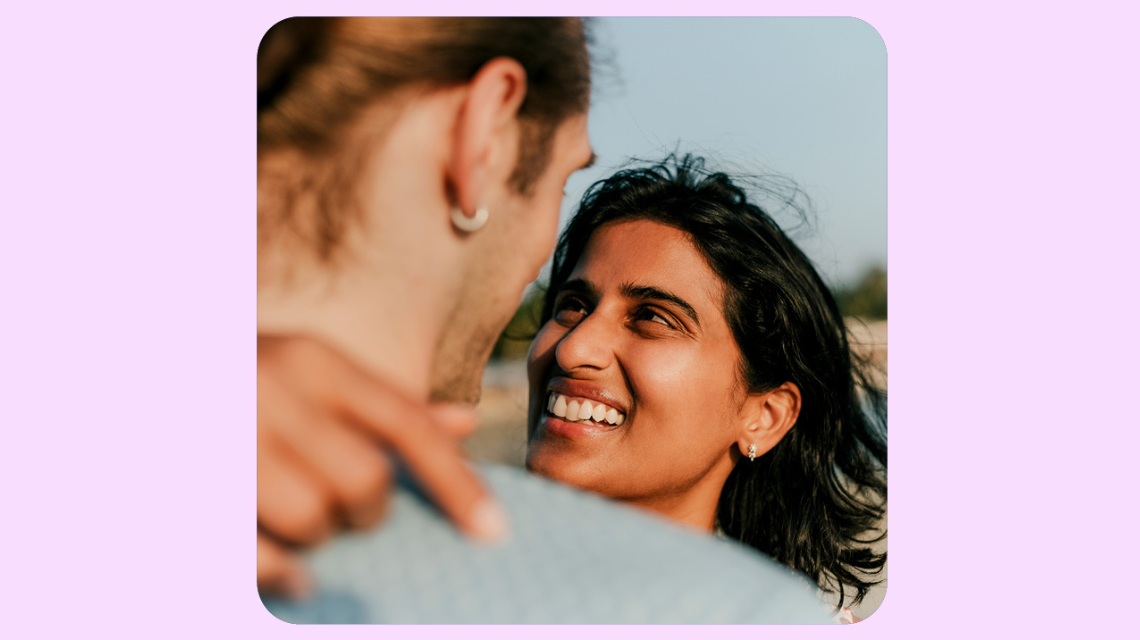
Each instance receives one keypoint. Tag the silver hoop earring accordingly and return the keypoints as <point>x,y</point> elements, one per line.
<point>751,452</point>
<point>469,225</point>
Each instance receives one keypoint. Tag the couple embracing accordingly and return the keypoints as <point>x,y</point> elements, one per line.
<point>690,362</point>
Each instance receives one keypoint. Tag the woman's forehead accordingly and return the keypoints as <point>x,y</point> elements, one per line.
<point>648,253</point>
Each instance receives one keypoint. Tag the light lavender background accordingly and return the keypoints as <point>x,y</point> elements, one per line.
<point>127,361</point>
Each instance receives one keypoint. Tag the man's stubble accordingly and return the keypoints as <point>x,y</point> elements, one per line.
<point>464,349</point>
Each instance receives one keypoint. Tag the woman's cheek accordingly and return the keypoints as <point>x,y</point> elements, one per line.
<point>538,361</point>
<point>664,377</point>
<point>669,364</point>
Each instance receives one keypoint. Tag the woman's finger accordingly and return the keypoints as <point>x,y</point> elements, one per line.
<point>456,420</point>
<point>432,457</point>
<point>350,464</point>
<point>279,572</point>
<point>333,457</point>
<point>291,503</point>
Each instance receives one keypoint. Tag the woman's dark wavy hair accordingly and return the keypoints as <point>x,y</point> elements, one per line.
<point>814,501</point>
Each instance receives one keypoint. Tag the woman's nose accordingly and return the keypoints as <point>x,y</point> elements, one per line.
<point>587,345</point>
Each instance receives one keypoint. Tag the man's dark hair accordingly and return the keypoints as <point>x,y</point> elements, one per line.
<point>314,75</point>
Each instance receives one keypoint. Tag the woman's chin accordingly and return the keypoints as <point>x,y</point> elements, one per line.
<point>553,461</point>
<point>542,460</point>
<point>570,452</point>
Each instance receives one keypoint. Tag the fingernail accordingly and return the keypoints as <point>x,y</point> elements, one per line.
<point>489,521</point>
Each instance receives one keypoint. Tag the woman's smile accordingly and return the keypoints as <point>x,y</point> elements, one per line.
<point>577,409</point>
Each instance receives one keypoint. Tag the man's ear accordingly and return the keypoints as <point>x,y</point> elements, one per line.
<point>486,114</point>
<point>768,417</point>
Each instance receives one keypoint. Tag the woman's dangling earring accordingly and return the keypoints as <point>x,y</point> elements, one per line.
<point>751,452</point>
<point>469,225</point>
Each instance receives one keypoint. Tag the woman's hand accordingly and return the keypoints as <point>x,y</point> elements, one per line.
<point>326,434</point>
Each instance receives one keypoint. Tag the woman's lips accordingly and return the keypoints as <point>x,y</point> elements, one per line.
<point>580,409</point>
<point>582,389</point>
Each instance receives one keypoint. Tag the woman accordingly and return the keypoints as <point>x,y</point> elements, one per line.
<point>692,362</point>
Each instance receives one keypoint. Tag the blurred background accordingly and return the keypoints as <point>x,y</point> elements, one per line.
<point>786,99</point>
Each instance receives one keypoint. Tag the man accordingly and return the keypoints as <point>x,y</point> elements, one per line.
<point>410,175</point>
<point>377,139</point>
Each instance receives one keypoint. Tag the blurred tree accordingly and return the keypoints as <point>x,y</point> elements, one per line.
<point>868,298</point>
<point>516,338</point>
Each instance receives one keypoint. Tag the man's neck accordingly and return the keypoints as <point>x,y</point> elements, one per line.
<point>382,321</point>
<point>383,303</point>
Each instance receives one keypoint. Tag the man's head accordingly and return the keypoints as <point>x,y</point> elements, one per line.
<point>373,131</point>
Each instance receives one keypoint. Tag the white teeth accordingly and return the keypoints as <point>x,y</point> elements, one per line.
<point>587,410</point>
<point>583,410</point>
<point>599,413</point>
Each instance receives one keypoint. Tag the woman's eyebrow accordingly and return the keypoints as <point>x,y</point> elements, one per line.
<point>641,292</point>
<point>580,286</point>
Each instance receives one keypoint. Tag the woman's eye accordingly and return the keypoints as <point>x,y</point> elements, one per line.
<point>652,316</point>
<point>569,310</point>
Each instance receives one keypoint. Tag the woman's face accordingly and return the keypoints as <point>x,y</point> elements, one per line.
<point>639,334</point>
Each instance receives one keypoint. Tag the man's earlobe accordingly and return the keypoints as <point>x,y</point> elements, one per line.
<point>472,224</point>
<point>489,108</point>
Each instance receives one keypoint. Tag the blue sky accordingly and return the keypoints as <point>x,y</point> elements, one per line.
<point>802,97</point>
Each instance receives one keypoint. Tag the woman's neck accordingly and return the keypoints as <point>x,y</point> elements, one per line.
<point>696,507</point>
<point>372,318</point>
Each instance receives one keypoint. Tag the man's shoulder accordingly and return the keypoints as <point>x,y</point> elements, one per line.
<point>571,558</point>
